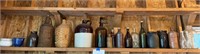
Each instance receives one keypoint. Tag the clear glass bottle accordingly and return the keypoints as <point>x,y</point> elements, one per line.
<point>135,38</point>
<point>110,39</point>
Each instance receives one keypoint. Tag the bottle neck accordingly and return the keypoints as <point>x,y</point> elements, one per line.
<point>134,30</point>
<point>63,21</point>
<point>101,25</point>
<point>127,31</point>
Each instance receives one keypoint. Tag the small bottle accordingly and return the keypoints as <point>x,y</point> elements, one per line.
<point>142,35</point>
<point>32,40</point>
<point>110,39</point>
<point>128,39</point>
<point>119,39</point>
<point>135,38</point>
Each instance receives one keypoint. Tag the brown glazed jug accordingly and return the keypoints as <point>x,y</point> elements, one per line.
<point>63,34</point>
<point>46,34</point>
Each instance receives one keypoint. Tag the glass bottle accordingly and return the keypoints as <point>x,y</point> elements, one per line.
<point>128,41</point>
<point>32,39</point>
<point>135,38</point>
<point>173,39</point>
<point>101,35</point>
<point>142,36</point>
<point>46,34</point>
<point>83,34</point>
<point>110,39</point>
<point>119,39</point>
<point>189,34</point>
<point>163,37</point>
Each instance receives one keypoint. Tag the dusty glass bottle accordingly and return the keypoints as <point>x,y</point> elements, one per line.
<point>83,34</point>
<point>163,38</point>
<point>173,39</point>
<point>63,34</point>
<point>101,35</point>
<point>110,39</point>
<point>32,39</point>
<point>46,34</point>
<point>119,39</point>
<point>135,38</point>
<point>128,41</point>
<point>142,36</point>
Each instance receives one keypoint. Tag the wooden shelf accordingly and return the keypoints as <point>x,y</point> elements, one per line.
<point>97,11</point>
<point>106,49</point>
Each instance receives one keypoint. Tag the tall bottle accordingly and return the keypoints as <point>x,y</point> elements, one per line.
<point>110,39</point>
<point>119,39</point>
<point>63,34</point>
<point>32,39</point>
<point>142,36</point>
<point>128,41</point>
<point>189,36</point>
<point>101,35</point>
<point>46,34</point>
<point>83,34</point>
<point>135,38</point>
<point>173,39</point>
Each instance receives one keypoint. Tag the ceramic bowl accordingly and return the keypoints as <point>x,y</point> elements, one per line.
<point>5,42</point>
<point>17,42</point>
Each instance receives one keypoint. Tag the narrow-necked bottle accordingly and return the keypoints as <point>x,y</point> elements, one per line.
<point>142,36</point>
<point>128,39</point>
<point>135,38</point>
<point>83,34</point>
<point>173,39</point>
<point>32,39</point>
<point>119,39</point>
<point>46,34</point>
<point>101,35</point>
<point>110,39</point>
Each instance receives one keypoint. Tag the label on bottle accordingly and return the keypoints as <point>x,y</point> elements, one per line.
<point>83,39</point>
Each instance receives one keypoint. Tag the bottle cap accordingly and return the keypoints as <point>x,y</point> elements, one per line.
<point>141,21</point>
<point>127,27</point>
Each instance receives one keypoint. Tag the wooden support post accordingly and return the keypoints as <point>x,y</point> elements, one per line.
<point>191,19</point>
<point>60,2</point>
<point>33,3</point>
<point>124,52</point>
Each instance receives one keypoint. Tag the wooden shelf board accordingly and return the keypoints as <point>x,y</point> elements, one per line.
<point>106,49</point>
<point>97,11</point>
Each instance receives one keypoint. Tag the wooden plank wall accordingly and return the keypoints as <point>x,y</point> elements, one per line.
<point>20,26</point>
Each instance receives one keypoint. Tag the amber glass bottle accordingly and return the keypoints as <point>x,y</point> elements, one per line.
<point>128,39</point>
<point>101,35</point>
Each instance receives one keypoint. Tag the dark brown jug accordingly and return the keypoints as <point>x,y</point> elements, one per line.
<point>83,34</point>
<point>32,39</point>
<point>163,39</point>
<point>46,34</point>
